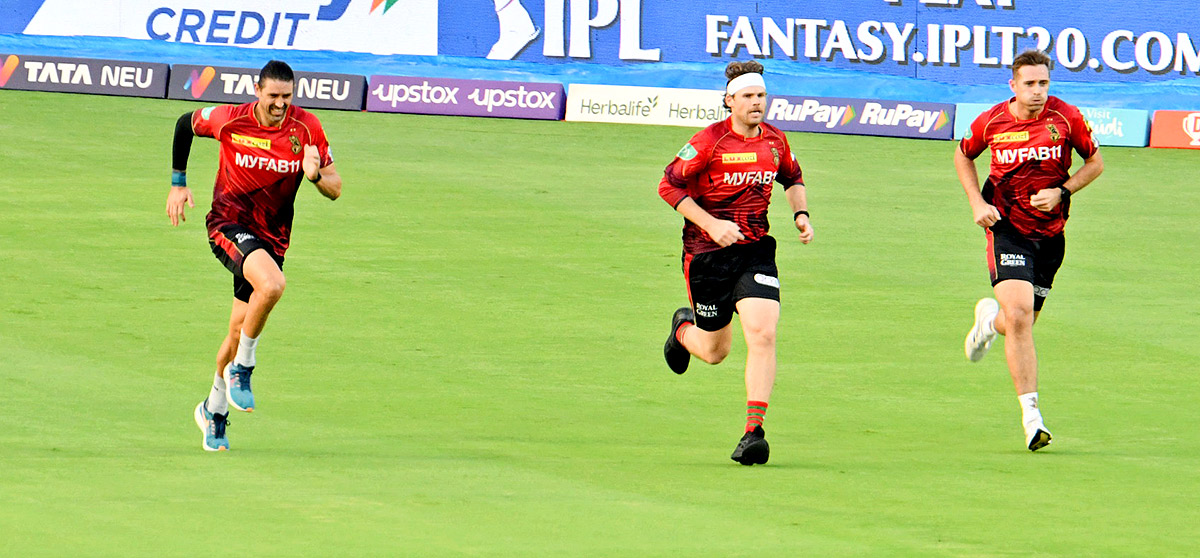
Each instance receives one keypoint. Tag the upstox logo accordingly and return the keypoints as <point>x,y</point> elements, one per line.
<point>198,81</point>
<point>10,66</point>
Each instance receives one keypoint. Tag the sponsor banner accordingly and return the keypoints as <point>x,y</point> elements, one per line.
<point>694,108</point>
<point>1116,127</point>
<point>1175,128</point>
<point>220,84</point>
<point>466,97</point>
<point>83,75</point>
<point>901,119</point>
<point>952,41</point>
<point>375,26</point>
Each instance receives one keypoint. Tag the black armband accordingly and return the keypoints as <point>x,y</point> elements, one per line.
<point>181,147</point>
<point>803,212</point>
<point>317,179</point>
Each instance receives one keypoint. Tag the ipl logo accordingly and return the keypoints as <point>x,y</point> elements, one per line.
<point>1191,127</point>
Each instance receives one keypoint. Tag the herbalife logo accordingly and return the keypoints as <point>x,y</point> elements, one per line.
<point>640,107</point>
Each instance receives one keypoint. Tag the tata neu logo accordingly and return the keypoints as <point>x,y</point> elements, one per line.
<point>198,82</point>
<point>10,66</point>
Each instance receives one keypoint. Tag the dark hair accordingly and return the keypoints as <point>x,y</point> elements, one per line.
<point>276,70</point>
<point>735,69</point>
<point>1030,58</point>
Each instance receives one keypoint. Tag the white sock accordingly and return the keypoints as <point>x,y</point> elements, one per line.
<point>1029,408</point>
<point>216,402</point>
<point>989,328</point>
<point>245,352</point>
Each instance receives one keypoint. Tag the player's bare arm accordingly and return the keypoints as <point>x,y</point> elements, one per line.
<point>180,193</point>
<point>984,214</point>
<point>1049,198</point>
<point>724,233</point>
<point>326,179</point>
<point>798,200</point>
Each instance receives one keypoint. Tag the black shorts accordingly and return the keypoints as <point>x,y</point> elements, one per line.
<point>717,280</point>
<point>1011,255</point>
<point>231,244</point>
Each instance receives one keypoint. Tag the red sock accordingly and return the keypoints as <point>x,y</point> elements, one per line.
<point>755,412</point>
<point>679,331</point>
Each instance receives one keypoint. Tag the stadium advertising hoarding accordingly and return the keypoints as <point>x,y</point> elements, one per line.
<point>83,75</point>
<point>1176,128</point>
<point>465,97</point>
<point>1116,127</point>
<point>376,26</point>
<point>953,41</point>
<point>695,108</point>
<point>220,84</point>
<point>902,119</point>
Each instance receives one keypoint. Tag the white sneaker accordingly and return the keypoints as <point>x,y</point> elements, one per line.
<point>1036,436</point>
<point>978,342</point>
<point>511,42</point>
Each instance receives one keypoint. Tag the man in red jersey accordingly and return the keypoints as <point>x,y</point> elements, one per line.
<point>267,148</point>
<point>721,183</point>
<point>1023,209</point>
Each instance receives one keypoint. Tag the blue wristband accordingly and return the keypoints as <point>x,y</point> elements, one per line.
<point>179,178</point>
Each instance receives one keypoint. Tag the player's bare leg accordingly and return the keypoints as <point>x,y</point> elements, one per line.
<point>260,270</point>
<point>760,319</point>
<point>710,346</point>
<point>1015,322</point>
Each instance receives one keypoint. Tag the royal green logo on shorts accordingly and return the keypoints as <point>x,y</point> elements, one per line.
<point>687,153</point>
<point>207,111</point>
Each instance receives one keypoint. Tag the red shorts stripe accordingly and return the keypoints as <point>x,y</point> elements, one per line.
<point>687,281</point>
<point>991,254</point>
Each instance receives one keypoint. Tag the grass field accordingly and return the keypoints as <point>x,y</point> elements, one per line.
<point>468,361</point>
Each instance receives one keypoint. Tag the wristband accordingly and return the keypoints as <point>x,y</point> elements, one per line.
<point>1066,194</point>
<point>179,179</point>
<point>799,213</point>
<point>317,179</point>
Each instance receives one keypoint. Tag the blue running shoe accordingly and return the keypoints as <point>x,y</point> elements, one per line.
<point>213,427</point>
<point>237,387</point>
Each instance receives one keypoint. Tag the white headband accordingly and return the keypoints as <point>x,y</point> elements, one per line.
<point>743,81</point>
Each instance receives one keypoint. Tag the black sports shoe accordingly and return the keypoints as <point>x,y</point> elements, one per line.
<point>753,449</point>
<point>676,354</point>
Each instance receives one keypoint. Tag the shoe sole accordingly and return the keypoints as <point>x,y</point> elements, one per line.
<point>1040,440</point>
<point>203,424</point>
<point>755,454</point>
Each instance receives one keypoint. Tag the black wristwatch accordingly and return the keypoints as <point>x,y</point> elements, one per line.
<point>1066,194</point>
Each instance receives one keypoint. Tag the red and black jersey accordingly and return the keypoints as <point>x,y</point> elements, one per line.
<point>1028,156</point>
<point>259,171</point>
<point>730,176</point>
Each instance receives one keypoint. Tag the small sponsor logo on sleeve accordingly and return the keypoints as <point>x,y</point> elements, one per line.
<point>206,112</point>
<point>687,153</point>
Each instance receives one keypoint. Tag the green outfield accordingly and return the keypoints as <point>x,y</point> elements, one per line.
<point>468,358</point>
